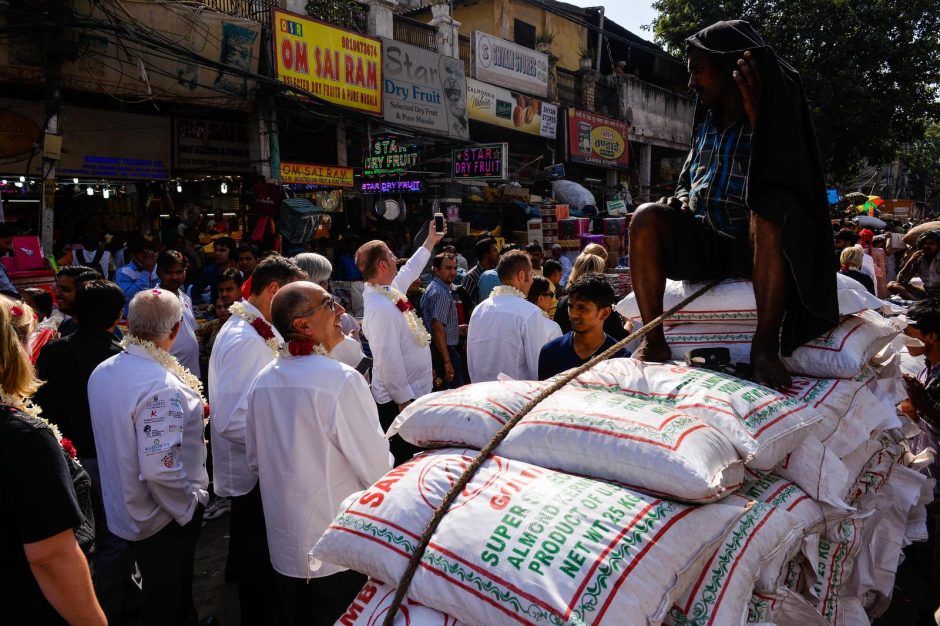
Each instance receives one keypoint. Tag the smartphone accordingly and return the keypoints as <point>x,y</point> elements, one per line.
<point>439,223</point>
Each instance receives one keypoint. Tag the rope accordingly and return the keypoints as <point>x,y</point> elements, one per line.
<point>498,439</point>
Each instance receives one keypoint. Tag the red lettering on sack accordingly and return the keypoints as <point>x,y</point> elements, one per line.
<point>373,498</point>
<point>512,487</point>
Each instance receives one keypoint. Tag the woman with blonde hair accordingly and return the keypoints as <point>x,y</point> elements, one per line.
<point>588,263</point>
<point>45,495</point>
<point>851,259</point>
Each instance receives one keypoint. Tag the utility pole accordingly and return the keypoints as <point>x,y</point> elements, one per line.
<point>55,46</point>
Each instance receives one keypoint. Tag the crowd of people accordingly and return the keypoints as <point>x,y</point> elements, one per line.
<point>132,418</point>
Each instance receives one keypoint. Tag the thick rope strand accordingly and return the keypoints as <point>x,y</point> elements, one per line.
<point>497,439</point>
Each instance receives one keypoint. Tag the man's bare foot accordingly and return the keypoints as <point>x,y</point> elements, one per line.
<point>768,370</point>
<point>652,351</point>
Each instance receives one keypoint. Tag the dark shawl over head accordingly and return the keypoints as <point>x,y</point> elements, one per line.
<point>785,181</point>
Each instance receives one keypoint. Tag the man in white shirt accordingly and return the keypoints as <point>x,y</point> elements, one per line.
<point>171,270</point>
<point>147,419</point>
<point>313,439</point>
<point>401,357</point>
<point>245,344</point>
<point>507,331</point>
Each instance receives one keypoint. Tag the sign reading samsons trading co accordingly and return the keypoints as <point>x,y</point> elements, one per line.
<point>510,65</point>
<point>423,89</point>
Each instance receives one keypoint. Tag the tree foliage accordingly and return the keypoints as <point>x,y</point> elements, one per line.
<point>922,158</point>
<point>871,68</point>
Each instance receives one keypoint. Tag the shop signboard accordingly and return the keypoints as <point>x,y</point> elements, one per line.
<point>97,144</point>
<point>211,145</point>
<point>597,140</point>
<point>424,90</point>
<point>502,62</point>
<point>214,54</point>
<point>512,110</point>
<point>388,155</point>
<point>331,63</point>
<point>314,174</point>
<point>393,186</point>
<point>482,162</point>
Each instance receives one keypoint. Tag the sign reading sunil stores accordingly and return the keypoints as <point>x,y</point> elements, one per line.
<point>423,89</point>
<point>509,65</point>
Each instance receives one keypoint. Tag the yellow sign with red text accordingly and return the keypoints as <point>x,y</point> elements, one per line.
<point>313,174</point>
<point>331,63</point>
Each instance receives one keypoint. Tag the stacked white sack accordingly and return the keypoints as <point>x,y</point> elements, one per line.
<point>681,434</point>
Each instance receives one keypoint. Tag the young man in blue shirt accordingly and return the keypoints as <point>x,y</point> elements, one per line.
<point>590,302</point>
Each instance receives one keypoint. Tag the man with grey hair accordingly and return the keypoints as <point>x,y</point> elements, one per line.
<point>153,465</point>
<point>313,438</point>
<point>318,269</point>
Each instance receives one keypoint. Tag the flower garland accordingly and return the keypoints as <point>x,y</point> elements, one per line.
<point>506,290</point>
<point>24,405</point>
<point>303,347</point>
<point>401,303</point>
<point>261,325</point>
<point>168,361</point>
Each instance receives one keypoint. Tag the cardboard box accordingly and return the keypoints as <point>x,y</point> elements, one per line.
<point>458,229</point>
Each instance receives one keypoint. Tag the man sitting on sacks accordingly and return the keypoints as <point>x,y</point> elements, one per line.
<point>750,202</point>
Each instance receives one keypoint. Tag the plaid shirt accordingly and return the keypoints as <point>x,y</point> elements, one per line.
<point>471,282</point>
<point>714,176</point>
<point>437,303</point>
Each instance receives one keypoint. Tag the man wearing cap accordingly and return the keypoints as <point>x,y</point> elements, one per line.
<point>750,202</point>
<point>923,263</point>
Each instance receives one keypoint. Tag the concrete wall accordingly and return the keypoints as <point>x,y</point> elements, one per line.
<point>496,17</point>
<point>659,117</point>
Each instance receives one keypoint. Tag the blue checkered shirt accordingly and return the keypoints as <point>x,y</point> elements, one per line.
<point>437,303</point>
<point>714,176</point>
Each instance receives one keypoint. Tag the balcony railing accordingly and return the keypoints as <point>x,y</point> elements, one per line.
<point>568,88</point>
<point>416,33</point>
<point>606,99</point>
<point>464,43</point>
<point>257,10</point>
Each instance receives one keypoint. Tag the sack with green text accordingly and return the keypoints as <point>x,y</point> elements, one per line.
<point>524,544</point>
<point>373,602</point>
<point>840,353</point>
<point>588,430</point>
<point>762,424</point>
<point>763,534</point>
<point>732,302</point>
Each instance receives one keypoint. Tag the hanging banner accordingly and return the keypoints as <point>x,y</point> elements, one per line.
<point>515,111</point>
<point>597,140</point>
<point>388,155</point>
<point>333,64</point>
<point>313,174</point>
<point>505,63</point>
<point>483,162</point>
<point>211,145</point>
<point>423,89</point>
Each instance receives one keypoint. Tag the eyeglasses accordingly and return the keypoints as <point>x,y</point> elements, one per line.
<point>330,303</point>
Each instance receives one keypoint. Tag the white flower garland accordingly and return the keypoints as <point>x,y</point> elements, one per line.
<point>506,290</point>
<point>168,361</point>
<point>25,405</point>
<point>240,310</point>
<point>421,334</point>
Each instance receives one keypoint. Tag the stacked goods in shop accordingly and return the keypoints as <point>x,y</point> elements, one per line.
<point>646,493</point>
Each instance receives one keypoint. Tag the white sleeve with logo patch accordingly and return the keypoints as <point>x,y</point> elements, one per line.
<point>159,427</point>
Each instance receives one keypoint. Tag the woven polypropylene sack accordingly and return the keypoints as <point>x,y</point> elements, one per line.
<point>762,424</point>
<point>722,593</point>
<point>374,601</point>
<point>523,544</point>
<point>732,302</point>
<point>641,444</point>
<point>840,353</point>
